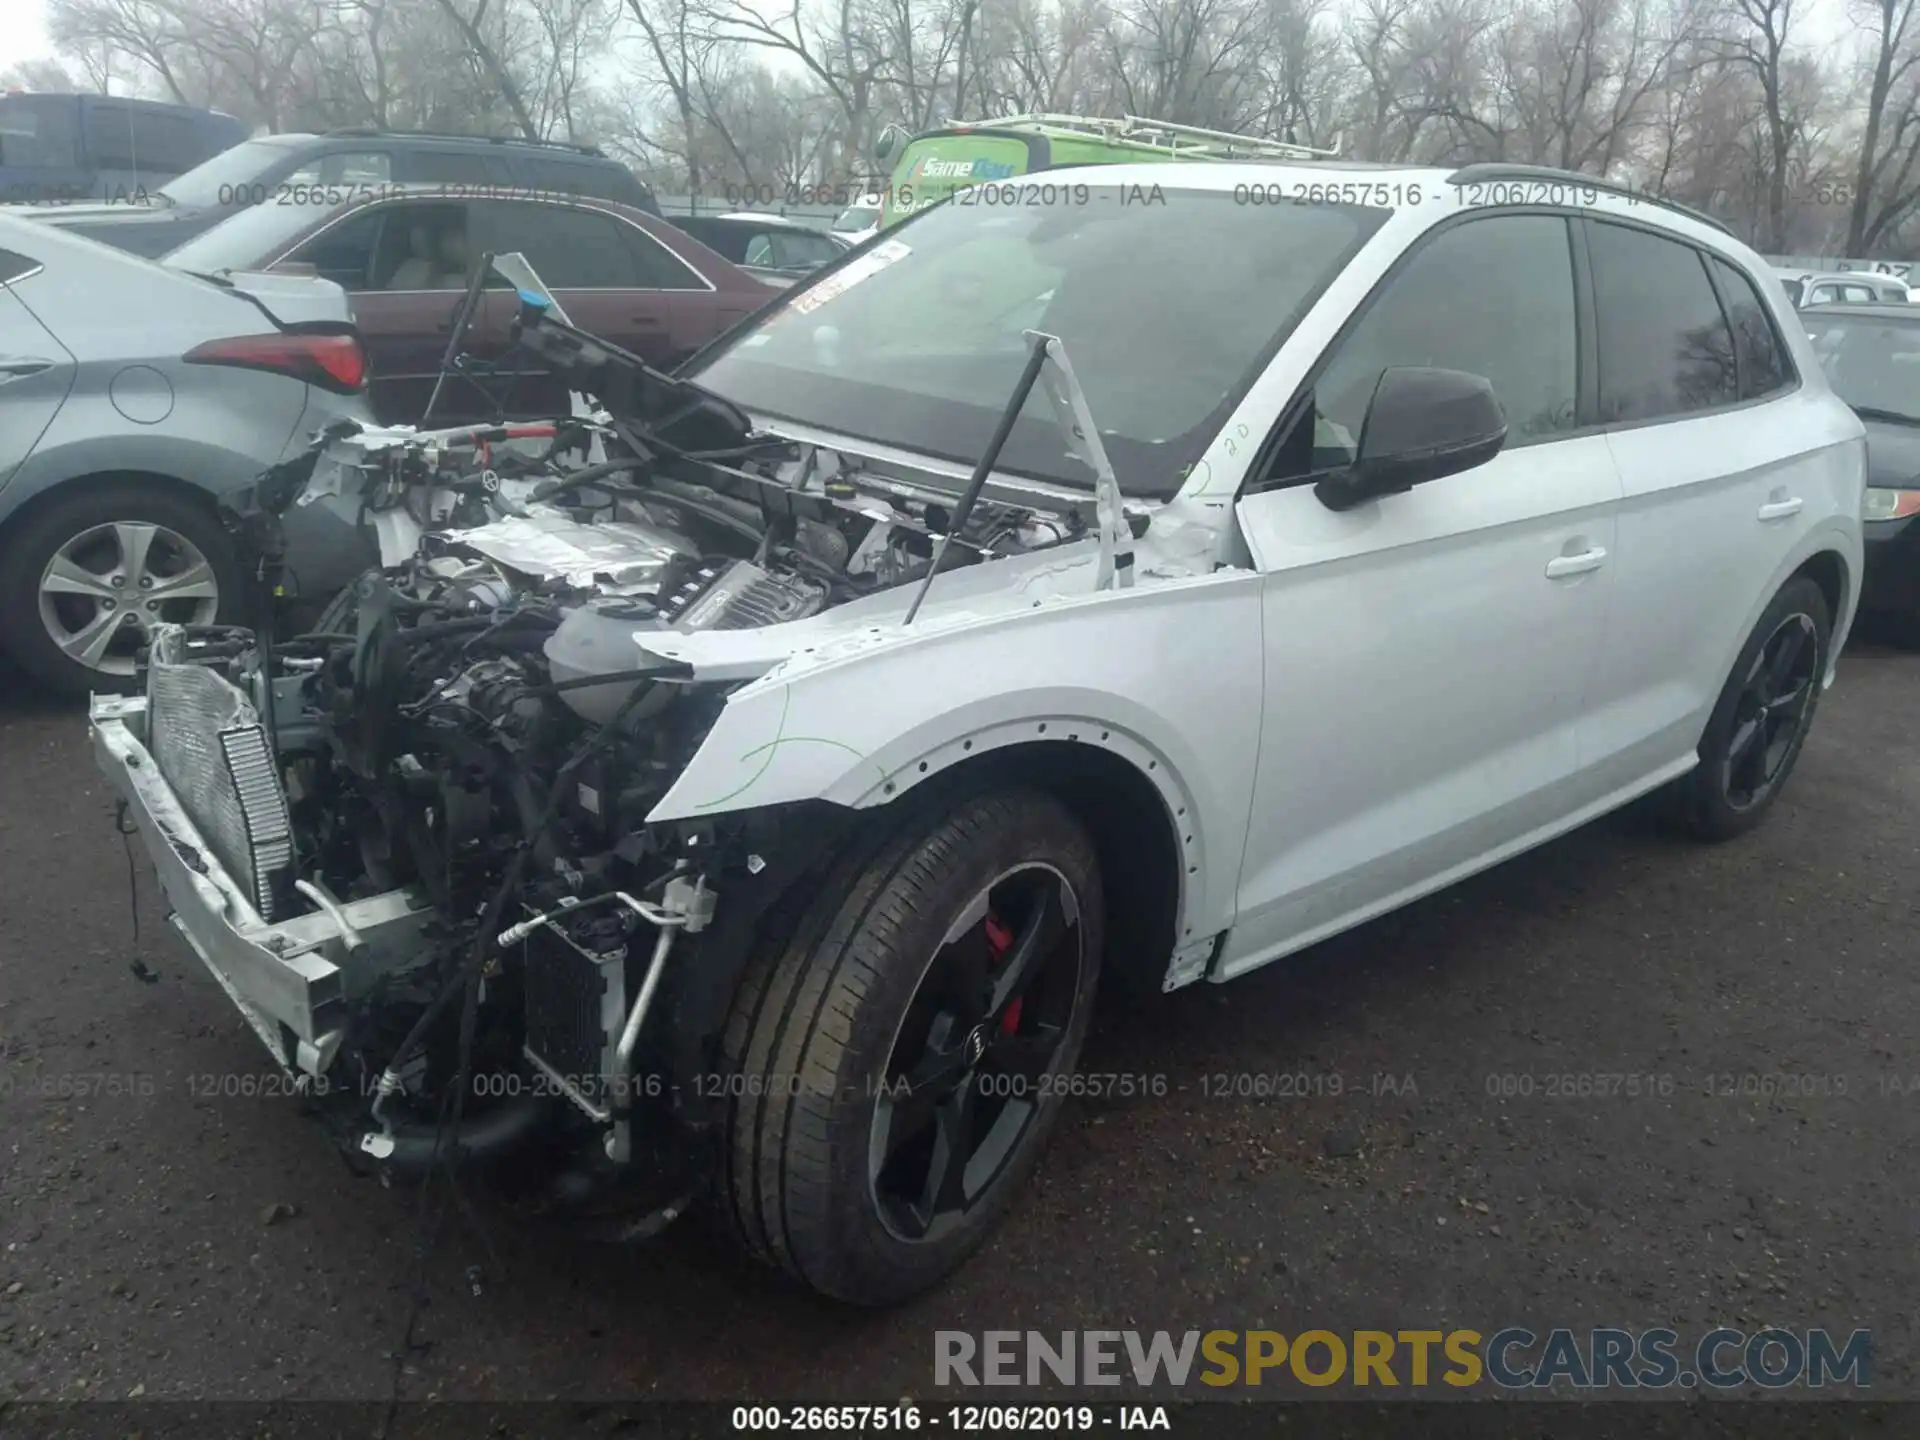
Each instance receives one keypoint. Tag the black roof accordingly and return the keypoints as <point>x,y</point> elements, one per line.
<point>443,137</point>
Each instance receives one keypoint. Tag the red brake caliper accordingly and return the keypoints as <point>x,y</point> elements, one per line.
<point>999,941</point>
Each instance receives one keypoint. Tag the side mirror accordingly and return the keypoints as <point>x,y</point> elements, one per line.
<point>1422,424</point>
<point>887,141</point>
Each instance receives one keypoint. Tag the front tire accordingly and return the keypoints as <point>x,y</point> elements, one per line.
<point>1758,727</point>
<point>895,1068</point>
<point>83,579</point>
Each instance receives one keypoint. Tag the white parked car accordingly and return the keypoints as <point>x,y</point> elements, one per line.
<point>860,220</point>
<point>1124,593</point>
<point>1806,289</point>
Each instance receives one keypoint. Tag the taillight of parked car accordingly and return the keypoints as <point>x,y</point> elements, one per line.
<point>333,362</point>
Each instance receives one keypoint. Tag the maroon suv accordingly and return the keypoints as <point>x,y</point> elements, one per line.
<point>403,256</point>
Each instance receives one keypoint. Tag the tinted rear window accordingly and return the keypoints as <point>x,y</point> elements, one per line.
<point>577,176</point>
<point>1764,368</point>
<point>1665,347</point>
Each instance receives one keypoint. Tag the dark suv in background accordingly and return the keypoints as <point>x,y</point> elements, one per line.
<point>58,149</point>
<point>300,170</point>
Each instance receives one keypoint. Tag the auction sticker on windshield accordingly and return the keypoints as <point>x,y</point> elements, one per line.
<point>872,263</point>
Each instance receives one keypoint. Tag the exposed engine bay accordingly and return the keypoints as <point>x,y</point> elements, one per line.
<point>436,798</point>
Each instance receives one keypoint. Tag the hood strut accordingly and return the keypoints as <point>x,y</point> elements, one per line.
<point>1047,360</point>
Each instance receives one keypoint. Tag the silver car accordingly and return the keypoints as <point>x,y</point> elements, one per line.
<point>133,397</point>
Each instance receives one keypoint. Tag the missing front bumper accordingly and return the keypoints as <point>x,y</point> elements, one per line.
<point>291,980</point>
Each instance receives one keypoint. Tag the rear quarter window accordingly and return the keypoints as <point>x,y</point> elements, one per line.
<point>583,180</point>
<point>1758,348</point>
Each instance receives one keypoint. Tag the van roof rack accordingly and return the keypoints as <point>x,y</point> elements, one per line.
<point>1186,142</point>
<point>1498,170</point>
<point>370,131</point>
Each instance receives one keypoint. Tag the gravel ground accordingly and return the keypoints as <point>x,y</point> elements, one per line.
<point>170,1243</point>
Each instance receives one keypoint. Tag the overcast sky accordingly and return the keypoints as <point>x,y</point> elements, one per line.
<point>23,24</point>
<point>23,30</point>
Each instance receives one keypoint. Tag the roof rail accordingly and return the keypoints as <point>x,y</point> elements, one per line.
<point>1185,142</point>
<point>1491,170</point>
<point>374,131</point>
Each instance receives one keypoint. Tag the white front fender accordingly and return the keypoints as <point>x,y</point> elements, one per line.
<point>1167,677</point>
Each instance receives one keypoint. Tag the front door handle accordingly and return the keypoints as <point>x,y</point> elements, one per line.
<point>12,366</point>
<point>1562,566</point>
<point>1781,509</point>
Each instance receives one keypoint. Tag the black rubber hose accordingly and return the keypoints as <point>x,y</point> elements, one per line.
<point>470,624</point>
<point>582,478</point>
<point>483,1139</point>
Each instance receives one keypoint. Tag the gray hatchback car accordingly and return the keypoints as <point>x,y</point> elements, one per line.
<point>133,397</point>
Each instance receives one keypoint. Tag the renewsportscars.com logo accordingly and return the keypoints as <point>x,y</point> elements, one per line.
<point>1514,1358</point>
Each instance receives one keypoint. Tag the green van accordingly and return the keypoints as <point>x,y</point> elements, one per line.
<point>932,165</point>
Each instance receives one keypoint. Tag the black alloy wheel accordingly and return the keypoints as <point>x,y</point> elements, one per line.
<point>1761,721</point>
<point>1771,714</point>
<point>900,1046</point>
<point>975,1050</point>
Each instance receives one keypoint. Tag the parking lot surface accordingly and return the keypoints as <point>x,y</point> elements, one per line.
<point>1390,1131</point>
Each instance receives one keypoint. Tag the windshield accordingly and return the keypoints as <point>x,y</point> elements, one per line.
<point>857,217</point>
<point>1792,287</point>
<point>247,239</point>
<point>213,182</point>
<point>1168,310</point>
<point>1872,363</point>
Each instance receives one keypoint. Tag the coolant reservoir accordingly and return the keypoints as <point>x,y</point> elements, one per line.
<point>597,639</point>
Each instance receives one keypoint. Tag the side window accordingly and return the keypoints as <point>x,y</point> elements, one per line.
<point>800,248</point>
<point>1493,297</point>
<point>660,268</point>
<point>343,167</point>
<point>569,249</point>
<point>760,251</point>
<point>413,246</point>
<point>1762,355</point>
<point>345,253</point>
<point>721,238</point>
<point>129,137</point>
<point>449,167</point>
<point>587,180</point>
<point>1665,348</point>
<point>1857,294</point>
<point>36,132</point>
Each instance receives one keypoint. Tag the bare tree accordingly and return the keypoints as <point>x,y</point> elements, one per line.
<point>1884,189</point>
<point>1757,42</point>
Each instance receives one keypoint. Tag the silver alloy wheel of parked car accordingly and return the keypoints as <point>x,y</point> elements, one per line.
<point>102,591</point>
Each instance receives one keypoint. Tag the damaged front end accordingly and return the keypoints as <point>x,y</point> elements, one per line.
<point>414,844</point>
